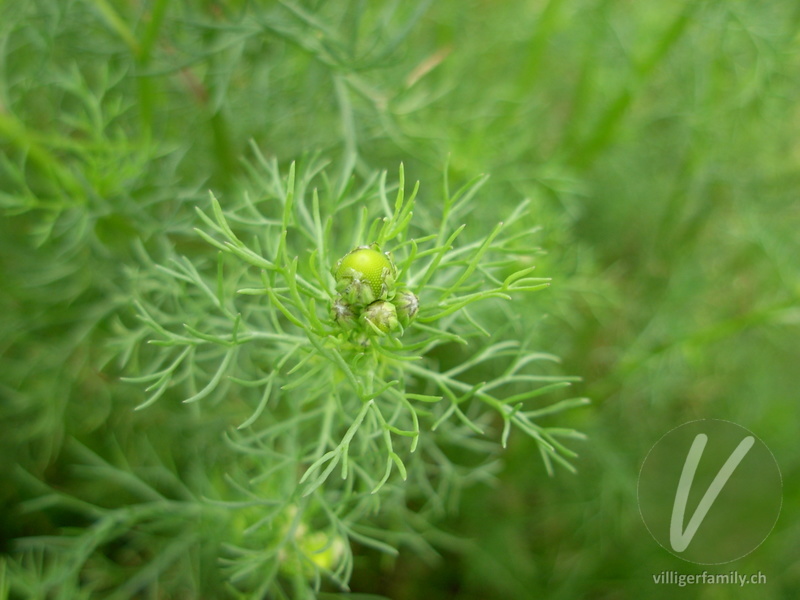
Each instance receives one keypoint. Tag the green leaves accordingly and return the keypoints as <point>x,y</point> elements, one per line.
<point>322,359</point>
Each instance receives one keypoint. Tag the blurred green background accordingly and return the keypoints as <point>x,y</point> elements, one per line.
<point>658,145</point>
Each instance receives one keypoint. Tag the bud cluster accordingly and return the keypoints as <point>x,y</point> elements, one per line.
<point>370,299</point>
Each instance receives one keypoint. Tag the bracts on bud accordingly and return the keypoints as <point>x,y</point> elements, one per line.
<point>407,305</point>
<point>365,275</point>
<point>369,301</point>
<point>381,315</point>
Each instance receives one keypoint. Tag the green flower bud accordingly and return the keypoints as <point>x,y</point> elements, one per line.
<point>381,314</point>
<point>407,305</point>
<point>365,275</point>
<point>311,547</point>
<point>356,290</point>
<point>343,314</point>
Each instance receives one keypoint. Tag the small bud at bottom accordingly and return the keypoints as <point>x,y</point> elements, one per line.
<point>382,315</point>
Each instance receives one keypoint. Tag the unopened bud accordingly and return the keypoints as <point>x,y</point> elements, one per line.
<point>407,305</point>
<point>365,275</point>
<point>343,314</point>
<point>381,314</point>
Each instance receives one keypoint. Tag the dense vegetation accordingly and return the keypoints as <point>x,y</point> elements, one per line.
<point>642,157</point>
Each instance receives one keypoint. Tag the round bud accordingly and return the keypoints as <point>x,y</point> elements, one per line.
<point>343,314</point>
<point>407,305</point>
<point>381,314</point>
<point>365,275</point>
